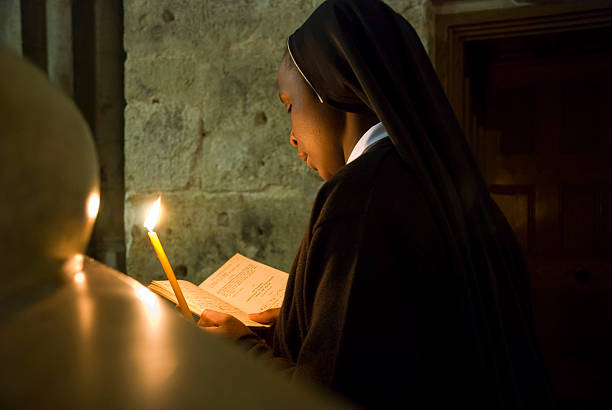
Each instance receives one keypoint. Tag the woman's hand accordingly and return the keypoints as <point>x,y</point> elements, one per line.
<point>267,317</point>
<point>222,324</point>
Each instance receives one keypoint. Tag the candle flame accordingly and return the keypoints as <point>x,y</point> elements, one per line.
<point>153,215</point>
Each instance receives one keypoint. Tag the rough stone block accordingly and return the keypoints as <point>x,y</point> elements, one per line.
<point>161,27</point>
<point>161,141</point>
<point>242,24</point>
<point>246,146</point>
<point>251,162</point>
<point>161,80</point>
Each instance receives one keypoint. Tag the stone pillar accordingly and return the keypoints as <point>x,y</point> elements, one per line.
<point>98,91</point>
<point>109,242</point>
<point>10,24</point>
<point>34,32</point>
<point>59,44</point>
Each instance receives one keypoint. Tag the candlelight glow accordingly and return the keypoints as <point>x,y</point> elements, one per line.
<point>74,264</point>
<point>153,215</point>
<point>79,277</point>
<point>149,300</point>
<point>93,205</point>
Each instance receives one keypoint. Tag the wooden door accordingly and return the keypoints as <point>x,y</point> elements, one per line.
<point>545,145</point>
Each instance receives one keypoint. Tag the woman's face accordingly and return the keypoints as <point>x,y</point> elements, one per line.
<point>316,128</point>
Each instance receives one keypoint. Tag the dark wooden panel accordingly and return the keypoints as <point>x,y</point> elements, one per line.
<point>517,204</point>
<point>583,118</point>
<point>572,290</point>
<point>579,206</point>
<point>605,225</point>
<point>516,137</point>
<point>576,342</point>
<point>523,102</point>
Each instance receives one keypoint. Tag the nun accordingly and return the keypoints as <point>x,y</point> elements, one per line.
<point>409,286</point>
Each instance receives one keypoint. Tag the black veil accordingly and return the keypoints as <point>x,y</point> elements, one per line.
<point>360,55</point>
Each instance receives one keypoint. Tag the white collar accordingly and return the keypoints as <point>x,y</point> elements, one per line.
<point>374,134</point>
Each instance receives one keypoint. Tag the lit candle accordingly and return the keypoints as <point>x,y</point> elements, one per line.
<point>150,221</point>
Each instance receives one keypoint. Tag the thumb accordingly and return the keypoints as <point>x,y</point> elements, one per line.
<point>267,317</point>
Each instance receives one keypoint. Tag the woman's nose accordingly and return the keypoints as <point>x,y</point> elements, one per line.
<point>292,140</point>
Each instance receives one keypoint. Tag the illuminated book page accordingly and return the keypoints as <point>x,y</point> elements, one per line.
<point>249,285</point>
<point>199,299</point>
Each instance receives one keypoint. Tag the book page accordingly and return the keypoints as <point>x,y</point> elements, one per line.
<point>249,285</point>
<point>199,299</point>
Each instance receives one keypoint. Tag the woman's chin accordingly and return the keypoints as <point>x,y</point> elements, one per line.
<point>324,175</point>
<point>310,165</point>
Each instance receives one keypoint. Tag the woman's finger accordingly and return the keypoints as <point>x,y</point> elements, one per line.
<point>211,318</point>
<point>222,324</point>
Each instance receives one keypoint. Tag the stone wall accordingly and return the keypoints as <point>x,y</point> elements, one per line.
<point>204,128</point>
<point>10,24</point>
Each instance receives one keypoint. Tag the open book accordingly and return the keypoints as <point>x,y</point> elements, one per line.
<point>239,287</point>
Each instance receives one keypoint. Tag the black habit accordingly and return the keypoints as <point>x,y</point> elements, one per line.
<point>409,285</point>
